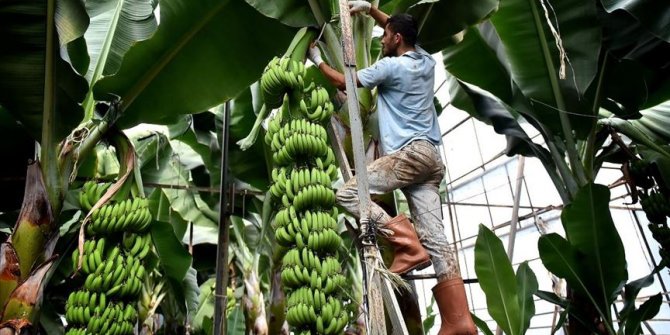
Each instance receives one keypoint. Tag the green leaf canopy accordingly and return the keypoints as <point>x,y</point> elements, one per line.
<point>203,53</point>
<point>592,259</point>
<point>23,66</point>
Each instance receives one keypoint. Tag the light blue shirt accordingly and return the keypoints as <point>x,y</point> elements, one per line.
<point>404,98</point>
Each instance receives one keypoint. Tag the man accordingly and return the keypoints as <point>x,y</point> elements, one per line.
<point>409,133</point>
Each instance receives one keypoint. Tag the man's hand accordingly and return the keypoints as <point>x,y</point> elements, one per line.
<point>358,6</point>
<point>314,55</point>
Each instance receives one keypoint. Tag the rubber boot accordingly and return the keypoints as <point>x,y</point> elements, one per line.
<point>453,306</point>
<point>408,253</point>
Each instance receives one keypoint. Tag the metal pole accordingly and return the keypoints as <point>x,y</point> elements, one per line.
<point>515,211</point>
<point>370,251</point>
<point>515,215</point>
<point>224,233</point>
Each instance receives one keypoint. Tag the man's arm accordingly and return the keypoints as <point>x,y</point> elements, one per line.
<point>379,16</point>
<point>357,6</point>
<point>334,76</point>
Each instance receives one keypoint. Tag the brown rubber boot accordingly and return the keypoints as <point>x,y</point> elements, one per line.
<point>453,306</point>
<point>408,253</point>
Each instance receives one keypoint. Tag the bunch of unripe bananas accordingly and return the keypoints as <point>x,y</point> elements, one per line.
<point>655,201</point>
<point>112,266</point>
<point>281,75</point>
<point>306,221</point>
<point>91,318</point>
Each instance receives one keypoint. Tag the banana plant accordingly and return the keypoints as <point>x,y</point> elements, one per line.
<point>564,69</point>
<point>64,59</point>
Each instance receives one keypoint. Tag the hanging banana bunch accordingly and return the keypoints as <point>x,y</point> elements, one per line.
<point>655,202</point>
<point>112,268</point>
<point>306,222</point>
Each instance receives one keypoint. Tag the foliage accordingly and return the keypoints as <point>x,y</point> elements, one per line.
<point>509,298</point>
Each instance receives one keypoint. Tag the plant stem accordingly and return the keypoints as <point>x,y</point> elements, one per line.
<point>570,146</point>
<point>590,150</point>
<point>316,10</point>
<point>333,48</point>
<point>89,101</point>
<point>48,151</point>
<point>563,170</point>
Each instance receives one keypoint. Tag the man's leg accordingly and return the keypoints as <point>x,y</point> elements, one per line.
<point>384,175</point>
<point>426,208</point>
<point>381,179</point>
<point>424,204</point>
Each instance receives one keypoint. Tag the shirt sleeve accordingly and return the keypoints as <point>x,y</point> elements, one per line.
<point>375,75</point>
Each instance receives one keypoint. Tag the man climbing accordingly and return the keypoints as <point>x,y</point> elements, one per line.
<point>409,133</point>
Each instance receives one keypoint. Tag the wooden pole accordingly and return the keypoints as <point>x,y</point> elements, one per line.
<point>375,302</point>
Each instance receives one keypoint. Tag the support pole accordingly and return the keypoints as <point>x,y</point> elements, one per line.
<point>370,251</point>
<point>515,215</point>
<point>224,233</point>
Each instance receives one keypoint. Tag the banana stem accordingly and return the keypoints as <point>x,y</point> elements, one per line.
<point>563,170</point>
<point>333,48</point>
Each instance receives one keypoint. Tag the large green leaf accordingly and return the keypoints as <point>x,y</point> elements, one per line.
<point>589,228</point>
<point>652,14</point>
<point>294,13</point>
<point>497,280</point>
<point>182,199</point>
<point>486,108</point>
<point>526,284</point>
<point>559,257</point>
<point>533,56</point>
<point>475,61</point>
<point>592,258</point>
<point>646,311</point>
<point>441,20</point>
<point>23,71</point>
<point>71,20</point>
<point>15,142</point>
<point>175,259</point>
<point>115,27</point>
<point>199,56</point>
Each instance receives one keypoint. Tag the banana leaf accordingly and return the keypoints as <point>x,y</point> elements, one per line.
<point>175,259</point>
<point>294,13</point>
<point>592,258</point>
<point>15,142</point>
<point>203,53</point>
<point>533,57</point>
<point>23,72</point>
<point>496,278</point>
<point>24,302</point>
<point>441,20</point>
<point>10,273</point>
<point>652,14</point>
<point>115,27</point>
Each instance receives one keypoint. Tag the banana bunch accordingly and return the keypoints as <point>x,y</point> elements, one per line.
<point>128,215</point>
<point>81,306</point>
<point>137,245</point>
<point>279,136</point>
<point>90,193</point>
<point>306,221</point>
<point>94,250</point>
<point>281,76</point>
<point>115,319</point>
<point>97,315</point>
<point>302,307</point>
<point>319,108</point>
<point>656,206</point>
<point>641,172</point>
<point>111,263</point>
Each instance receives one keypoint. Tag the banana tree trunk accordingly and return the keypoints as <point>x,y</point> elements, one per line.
<point>277,306</point>
<point>254,305</point>
<point>35,225</point>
